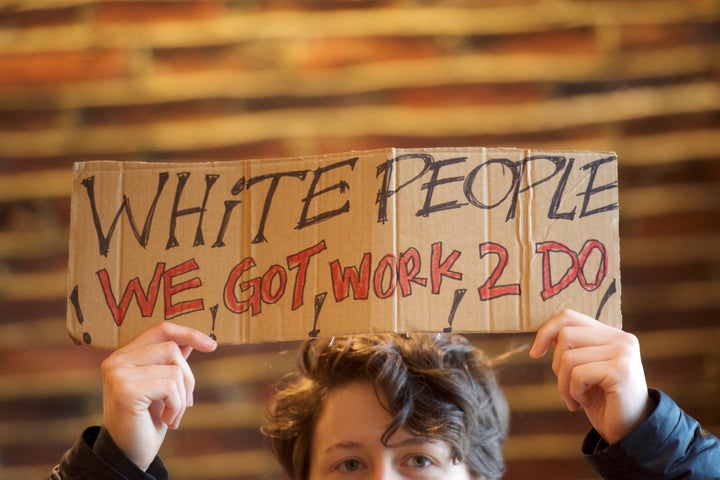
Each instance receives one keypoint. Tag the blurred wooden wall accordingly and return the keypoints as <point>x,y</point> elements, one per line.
<point>232,79</point>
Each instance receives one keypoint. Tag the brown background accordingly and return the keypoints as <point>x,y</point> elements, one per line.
<point>233,79</point>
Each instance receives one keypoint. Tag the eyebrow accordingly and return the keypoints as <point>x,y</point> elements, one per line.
<point>412,440</point>
<point>343,445</point>
<point>409,441</point>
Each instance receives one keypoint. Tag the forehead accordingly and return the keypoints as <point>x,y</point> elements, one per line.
<point>353,413</point>
<point>350,413</point>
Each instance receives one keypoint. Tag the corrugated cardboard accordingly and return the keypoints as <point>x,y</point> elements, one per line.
<point>403,240</point>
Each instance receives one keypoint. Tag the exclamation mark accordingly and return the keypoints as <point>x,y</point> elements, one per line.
<point>75,300</point>
<point>457,298</point>
<point>319,300</point>
<point>213,312</point>
<point>612,290</point>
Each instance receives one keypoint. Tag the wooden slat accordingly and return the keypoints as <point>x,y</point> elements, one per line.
<point>545,397</point>
<point>33,286</point>
<point>257,463</point>
<point>670,250</point>
<point>543,446</point>
<point>387,75</point>
<point>40,184</point>
<point>552,114</point>
<point>39,333</point>
<point>669,147</point>
<point>47,241</point>
<point>643,202</point>
<point>25,433</point>
<point>674,296</point>
<point>287,24</point>
<point>50,384</point>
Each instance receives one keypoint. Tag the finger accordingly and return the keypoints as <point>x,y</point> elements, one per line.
<point>166,353</point>
<point>139,364</point>
<point>168,404</point>
<point>172,355</point>
<point>547,334</point>
<point>130,380</point>
<point>579,338</point>
<point>587,377</point>
<point>157,390</point>
<point>186,351</point>
<point>161,385</point>
<point>177,357</point>
<point>172,332</point>
<point>569,370</point>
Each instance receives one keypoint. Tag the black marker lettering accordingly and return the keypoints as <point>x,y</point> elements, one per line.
<point>435,166</point>
<point>557,196</point>
<point>386,169</point>
<point>591,189</point>
<point>275,180</point>
<point>470,182</point>
<point>229,206</point>
<point>312,193</point>
<point>182,180</point>
<point>522,167</point>
<point>104,239</point>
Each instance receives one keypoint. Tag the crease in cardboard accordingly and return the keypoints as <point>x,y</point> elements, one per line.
<point>487,314</point>
<point>526,225</point>
<point>395,233</point>
<point>121,240</point>
<point>247,244</point>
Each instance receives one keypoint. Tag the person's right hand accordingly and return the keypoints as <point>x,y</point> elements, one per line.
<point>147,385</point>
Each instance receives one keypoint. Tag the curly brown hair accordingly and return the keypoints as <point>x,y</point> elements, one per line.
<point>435,386</point>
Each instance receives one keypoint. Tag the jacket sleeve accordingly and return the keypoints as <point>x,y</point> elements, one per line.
<point>669,444</point>
<point>95,456</point>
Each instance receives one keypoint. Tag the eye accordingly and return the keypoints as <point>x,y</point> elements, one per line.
<point>418,461</point>
<point>349,465</point>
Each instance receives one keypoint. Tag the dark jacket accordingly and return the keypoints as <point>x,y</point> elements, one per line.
<point>669,444</point>
<point>95,456</point>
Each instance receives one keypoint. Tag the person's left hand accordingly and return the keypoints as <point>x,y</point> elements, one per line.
<point>599,369</point>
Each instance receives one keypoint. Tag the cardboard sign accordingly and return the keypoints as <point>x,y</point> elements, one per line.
<point>468,240</point>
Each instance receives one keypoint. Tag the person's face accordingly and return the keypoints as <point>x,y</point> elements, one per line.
<point>347,443</point>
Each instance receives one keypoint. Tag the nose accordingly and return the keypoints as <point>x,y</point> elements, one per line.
<point>385,471</point>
